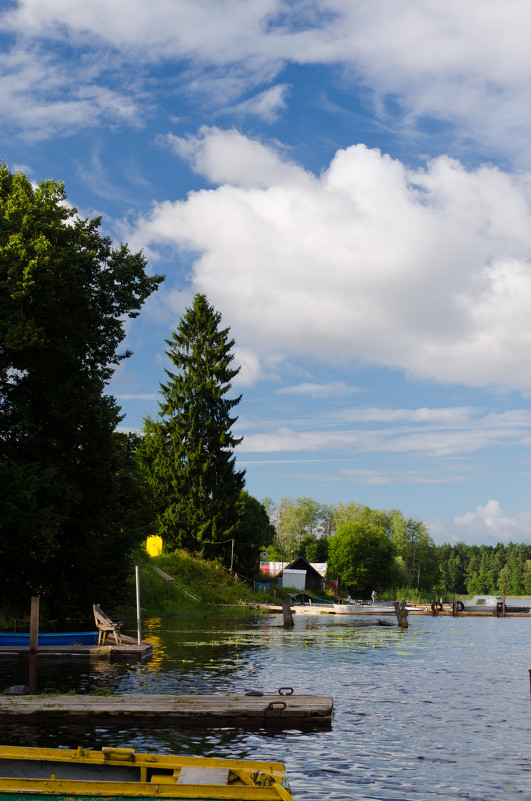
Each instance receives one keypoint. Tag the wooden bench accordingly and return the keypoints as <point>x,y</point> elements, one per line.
<point>105,625</point>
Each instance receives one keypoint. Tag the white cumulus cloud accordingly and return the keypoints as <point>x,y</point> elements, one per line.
<point>425,270</point>
<point>486,525</point>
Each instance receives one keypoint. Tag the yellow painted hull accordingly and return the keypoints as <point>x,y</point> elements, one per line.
<point>120,773</point>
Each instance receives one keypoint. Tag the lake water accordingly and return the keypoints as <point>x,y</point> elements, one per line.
<point>439,711</point>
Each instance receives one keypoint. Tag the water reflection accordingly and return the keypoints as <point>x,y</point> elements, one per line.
<point>440,711</point>
<point>151,634</point>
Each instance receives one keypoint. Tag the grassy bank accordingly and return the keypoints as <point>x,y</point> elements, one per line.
<point>216,592</point>
<point>409,594</point>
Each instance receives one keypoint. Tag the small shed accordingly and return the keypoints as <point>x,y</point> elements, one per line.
<point>313,579</point>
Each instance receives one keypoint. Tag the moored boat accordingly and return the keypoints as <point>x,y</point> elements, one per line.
<point>22,639</point>
<point>489,604</point>
<point>36,774</point>
<point>364,608</point>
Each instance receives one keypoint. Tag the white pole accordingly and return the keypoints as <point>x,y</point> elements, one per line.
<point>138,620</point>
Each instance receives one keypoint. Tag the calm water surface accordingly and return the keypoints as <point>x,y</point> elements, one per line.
<point>440,711</point>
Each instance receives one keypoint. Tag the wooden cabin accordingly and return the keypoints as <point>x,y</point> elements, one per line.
<point>303,573</point>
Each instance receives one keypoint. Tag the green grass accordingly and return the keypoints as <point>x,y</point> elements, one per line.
<point>8,621</point>
<point>219,594</point>
<point>409,594</point>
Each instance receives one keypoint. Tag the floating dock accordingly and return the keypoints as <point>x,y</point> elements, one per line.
<point>414,609</point>
<point>446,611</point>
<point>207,711</point>
<point>276,609</point>
<point>129,649</point>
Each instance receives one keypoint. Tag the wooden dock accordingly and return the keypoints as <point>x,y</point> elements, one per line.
<point>129,649</point>
<point>276,609</point>
<point>207,711</point>
<point>446,611</point>
<point>417,609</point>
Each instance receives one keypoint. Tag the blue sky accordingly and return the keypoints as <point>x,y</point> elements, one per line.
<point>350,185</point>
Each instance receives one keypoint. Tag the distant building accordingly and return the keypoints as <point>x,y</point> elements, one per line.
<point>298,574</point>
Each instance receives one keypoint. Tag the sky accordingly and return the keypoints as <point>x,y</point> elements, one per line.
<point>349,183</point>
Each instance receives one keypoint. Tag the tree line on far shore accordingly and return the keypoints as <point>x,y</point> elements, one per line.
<point>381,549</point>
<point>365,548</point>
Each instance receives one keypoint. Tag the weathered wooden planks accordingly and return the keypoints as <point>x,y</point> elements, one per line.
<point>285,711</point>
<point>129,649</point>
<point>446,611</point>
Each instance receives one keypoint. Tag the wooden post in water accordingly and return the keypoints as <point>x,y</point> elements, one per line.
<point>504,604</point>
<point>138,608</point>
<point>34,644</point>
<point>286,613</point>
<point>454,606</point>
<point>401,613</point>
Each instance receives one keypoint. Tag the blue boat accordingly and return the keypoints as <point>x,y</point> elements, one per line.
<point>22,640</point>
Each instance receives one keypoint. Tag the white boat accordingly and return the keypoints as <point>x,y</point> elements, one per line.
<point>489,604</point>
<point>365,608</point>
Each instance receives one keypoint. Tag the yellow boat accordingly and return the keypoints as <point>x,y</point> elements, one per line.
<point>35,774</point>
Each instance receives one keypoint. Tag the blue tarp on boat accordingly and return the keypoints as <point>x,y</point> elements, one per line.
<point>62,638</point>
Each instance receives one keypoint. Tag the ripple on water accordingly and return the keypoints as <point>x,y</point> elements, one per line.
<point>440,711</point>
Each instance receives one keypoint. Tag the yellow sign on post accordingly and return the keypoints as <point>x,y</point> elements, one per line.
<point>154,545</point>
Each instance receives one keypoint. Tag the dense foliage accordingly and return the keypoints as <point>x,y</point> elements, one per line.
<point>208,582</point>
<point>306,528</point>
<point>188,450</point>
<point>485,569</point>
<point>254,532</point>
<point>361,556</point>
<point>296,519</point>
<point>414,554</point>
<point>68,482</point>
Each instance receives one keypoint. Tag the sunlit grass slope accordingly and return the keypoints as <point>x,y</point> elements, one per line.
<point>213,586</point>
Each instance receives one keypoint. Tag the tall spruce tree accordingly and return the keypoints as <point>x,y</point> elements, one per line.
<point>188,449</point>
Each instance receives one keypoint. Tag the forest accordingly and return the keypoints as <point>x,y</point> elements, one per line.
<point>351,535</point>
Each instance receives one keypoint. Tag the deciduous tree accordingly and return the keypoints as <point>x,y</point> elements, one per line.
<point>314,549</point>
<point>294,519</point>
<point>254,532</point>
<point>65,293</point>
<point>361,555</point>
